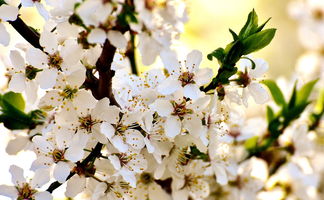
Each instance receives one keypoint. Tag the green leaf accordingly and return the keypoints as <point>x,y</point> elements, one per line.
<point>275,92</point>
<point>218,53</point>
<point>233,51</point>
<point>14,99</point>
<point>2,2</point>
<point>250,26</point>
<point>234,35</point>
<point>262,26</point>
<point>293,97</point>
<point>304,92</point>
<point>258,40</point>
<point>270,114</point>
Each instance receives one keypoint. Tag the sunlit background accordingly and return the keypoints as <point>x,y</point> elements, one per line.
<point>207,29</point>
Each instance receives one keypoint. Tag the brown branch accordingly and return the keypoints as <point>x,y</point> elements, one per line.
<point>26,32</point>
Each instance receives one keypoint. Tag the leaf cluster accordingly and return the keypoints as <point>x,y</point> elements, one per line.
<point>13,117</point>
<point>251,38</point>
<point>289,111</point>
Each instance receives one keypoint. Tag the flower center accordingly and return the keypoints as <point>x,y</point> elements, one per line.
<point>180,109</point>
<point>146,178</point>
<point>123,158</point>
<point>87,123</point>
<point>186,78</point>
<point>55,61</point>
<point>243,79</point>
<point>25,192</point>
<point>31,72</point>
<point>68,92</point>
<point>58,155</point>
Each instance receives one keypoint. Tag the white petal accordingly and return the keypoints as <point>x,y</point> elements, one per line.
<point>260,68</point>
<point>157,193</point>
<point>172,126</point>
<point>119,143</point>
<point>74,154</point>
<point>17,144</point>
<point>48,40</point>
<point>31,92</point>
<point>8,191</point>
<point>4,35</point>
<point>128,176</point>
<point>191,91</point>
<point>134,138</point>
<point>97,35</point>
<point>149,48</point>
<point>115,161</point>
<point>36,58</point>
<point>42,11</point>
<point>47,78</point>
<point>43,196</point>
<point>259,93</point>
<point>61,171</point>
<point>42,144</point>
<point>41,177</point>
<point>75,185</point>
<point>163,107</point>
<point>27,3</point>
<point>83,101</point>
<point>170,60</point>
<point>17,60</point>
<point>149,146</point>
<point>203,76</point>
<point>180,194</point>
<point>17,175</point>
<point>41,162</point>
<point>221,176</point>
<point>17,83</point>
<point>193,60</point>
<point>169,85</point>
<point>117,39</point>
<point>8,13</point>
<point>107,129</point>
<point>193,125</point>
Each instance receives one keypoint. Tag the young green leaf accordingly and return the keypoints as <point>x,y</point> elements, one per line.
<point>14,99</point>
<point>250,26</point>
<point>270,114</point>
<point>275,92</point>
<point>234,35</point>
<point>304,92</point>
<point>258,40</point>
<point>218,53</point>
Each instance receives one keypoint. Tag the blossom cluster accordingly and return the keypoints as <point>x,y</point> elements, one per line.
<point>167,133</point>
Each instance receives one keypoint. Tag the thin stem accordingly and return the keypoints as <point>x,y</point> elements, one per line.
<point>130,53</point>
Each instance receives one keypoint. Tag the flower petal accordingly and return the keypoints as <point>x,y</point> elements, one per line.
<point>97,35</point>
<point>75,185</point>
<point>163,107</point>
<point>134,138</point>
<point>17,175</point>
<point>117,39</point>
<point>17,83</point>
<point>259,93</point>
<point>61,171</point>
<point>191,91</point>
<point>41,177</point>
<point>43,196</point>
<point>4,35</point>
<point>8,13</point>
<point>172,126</point>
<point>193,60</point>
<point>8,191</point>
